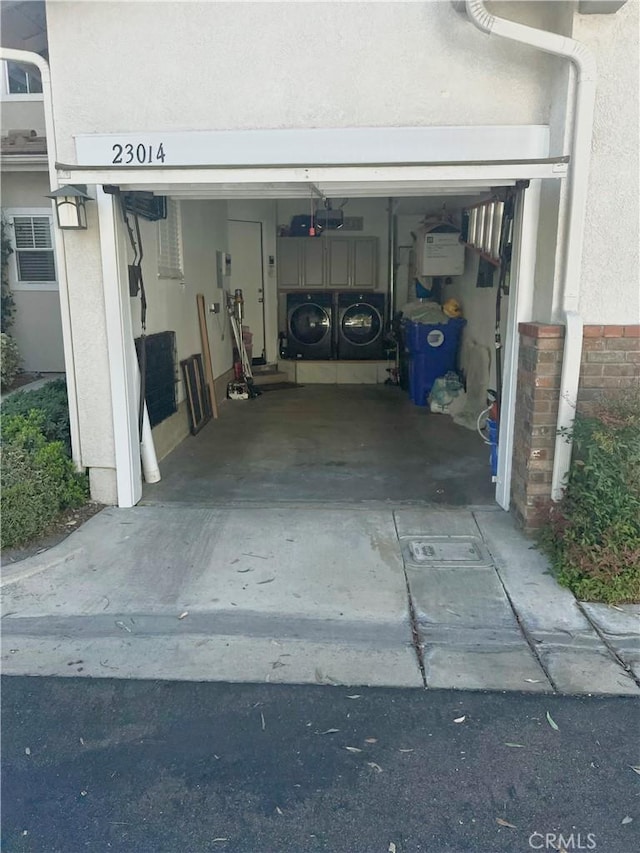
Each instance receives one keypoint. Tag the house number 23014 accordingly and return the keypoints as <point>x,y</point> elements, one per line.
<point>141,153</point>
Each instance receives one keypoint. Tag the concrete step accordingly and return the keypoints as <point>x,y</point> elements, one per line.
<point>269,378</point>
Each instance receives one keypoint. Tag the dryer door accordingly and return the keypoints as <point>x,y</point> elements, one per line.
<point>361,324</point>
<point>309,324</point>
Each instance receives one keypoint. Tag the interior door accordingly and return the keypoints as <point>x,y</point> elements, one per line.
<point>245,247</point>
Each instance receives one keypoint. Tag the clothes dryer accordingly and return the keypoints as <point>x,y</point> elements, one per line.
<point>309,319</point>
<point>360,325</point>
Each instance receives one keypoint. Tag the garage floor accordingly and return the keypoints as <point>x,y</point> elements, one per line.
<point>328,443</point>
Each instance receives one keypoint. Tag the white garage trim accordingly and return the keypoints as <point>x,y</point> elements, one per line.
<point>123,369</point>
<point>307,146</point>
<point>520,310</point>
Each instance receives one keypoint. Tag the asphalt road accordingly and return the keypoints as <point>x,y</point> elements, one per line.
<point>111,765</point>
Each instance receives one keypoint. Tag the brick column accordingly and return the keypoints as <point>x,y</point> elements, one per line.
<point>610,364</point>
<point>536,413</point>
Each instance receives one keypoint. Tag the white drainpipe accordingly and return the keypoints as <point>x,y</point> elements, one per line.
<point>26,57</point>
<point>585,94</point>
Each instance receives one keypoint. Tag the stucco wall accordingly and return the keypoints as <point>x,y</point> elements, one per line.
<point>609,291</point>
<point>37,327</point>
<point>84,275</point>
<point>357,64</point>
<point>38,331</point>
<point>269,65</point>
<point>25,189</point>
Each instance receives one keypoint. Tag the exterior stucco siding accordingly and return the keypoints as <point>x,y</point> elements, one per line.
<point>289,65</point>
<point>610,291</point>
<point>25,189</point>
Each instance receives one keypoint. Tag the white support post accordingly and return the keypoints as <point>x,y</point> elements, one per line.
<point>523,264</point>
<point>122,364</point>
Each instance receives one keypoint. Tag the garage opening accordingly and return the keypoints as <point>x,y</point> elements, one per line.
<point>375,327</point>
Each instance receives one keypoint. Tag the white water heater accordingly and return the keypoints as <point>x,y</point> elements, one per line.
<point>439,252</point>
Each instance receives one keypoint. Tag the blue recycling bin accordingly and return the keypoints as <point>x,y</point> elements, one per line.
<point>433,351</point>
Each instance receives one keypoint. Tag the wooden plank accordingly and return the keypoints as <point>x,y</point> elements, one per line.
<point>206,353</point>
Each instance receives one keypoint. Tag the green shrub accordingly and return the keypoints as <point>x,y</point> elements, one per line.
<point>593,535</point>
<point>38,479</point>
<point>9,360</point>
<point>51,400</point>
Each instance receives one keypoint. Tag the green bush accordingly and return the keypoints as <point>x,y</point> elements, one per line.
<point>38,479</point>
<point>51,400</point>
<point>593,535</point>
<point>9,360</point>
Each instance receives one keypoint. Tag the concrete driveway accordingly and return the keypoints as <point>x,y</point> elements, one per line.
<point>356,594</point>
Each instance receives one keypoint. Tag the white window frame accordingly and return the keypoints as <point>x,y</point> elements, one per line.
<point>6,95</point>
<point>8,214</point>
<point>174,270</point>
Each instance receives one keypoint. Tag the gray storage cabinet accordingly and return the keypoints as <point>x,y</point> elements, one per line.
<point>336,263</point>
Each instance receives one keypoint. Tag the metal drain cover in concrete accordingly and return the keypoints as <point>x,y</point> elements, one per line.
<point>445,551</point>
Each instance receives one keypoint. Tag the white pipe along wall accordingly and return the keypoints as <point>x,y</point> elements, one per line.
<point>585,93</point>
<point>26,57</point>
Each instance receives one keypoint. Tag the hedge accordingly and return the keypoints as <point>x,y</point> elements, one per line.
<point>51,401</point>
<point>593,535</point>
<point>39,481</point>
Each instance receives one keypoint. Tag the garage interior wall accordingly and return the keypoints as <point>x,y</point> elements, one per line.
<point>477,352</point>
<point>171,303</point>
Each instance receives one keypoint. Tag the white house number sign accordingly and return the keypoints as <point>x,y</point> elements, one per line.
<point>162,149</point>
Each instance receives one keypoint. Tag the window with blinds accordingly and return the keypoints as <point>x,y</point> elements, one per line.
<point>33,245</point>
<point>170,243</point>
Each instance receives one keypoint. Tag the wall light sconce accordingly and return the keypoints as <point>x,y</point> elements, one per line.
<point>70,207</point>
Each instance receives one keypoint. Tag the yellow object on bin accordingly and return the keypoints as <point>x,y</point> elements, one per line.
<point>452,308</point>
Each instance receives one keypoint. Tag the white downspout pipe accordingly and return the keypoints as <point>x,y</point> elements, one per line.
<point>26,57</point>
<point>584,63</point>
